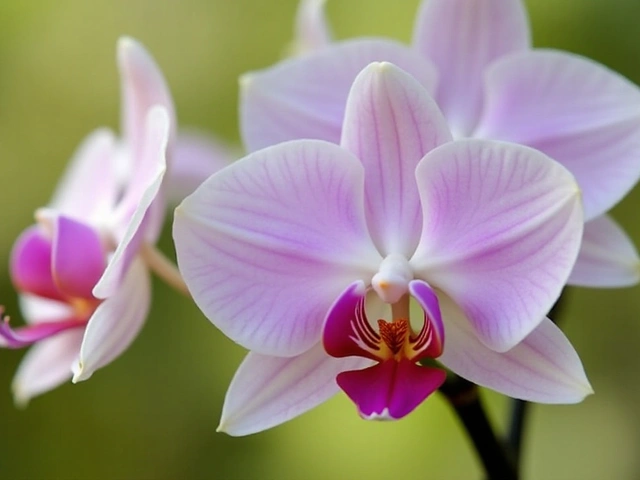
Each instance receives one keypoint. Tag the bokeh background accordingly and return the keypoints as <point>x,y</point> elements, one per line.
<point>152,414</point>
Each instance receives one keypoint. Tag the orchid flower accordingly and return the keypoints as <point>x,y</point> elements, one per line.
<point>310,254</point>
<point>475,57</point>
<point>82,269</point>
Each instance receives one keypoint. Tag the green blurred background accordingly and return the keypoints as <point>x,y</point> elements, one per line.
<point>152,414</point>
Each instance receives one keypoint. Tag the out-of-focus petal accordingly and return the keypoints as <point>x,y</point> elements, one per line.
<point>501,231</point>
<point>390,123</point>
<point>305,97</point>
<point>268,243</point>
<point>390,390</point>
<point>78,258</point>
<point>578,112</point>
<point>311,28</point>
<point>544,367</point>
<point>46,365</point>
<point>88,188</point>
<point>267,391</point>
<point>30,264</point>
<point>142,209</point>
<point>607,258</point>
<point>36,309</point>
<point>143,86</point>
<point>115,323</point>
<point>196,157</point>
<point>461,38</point>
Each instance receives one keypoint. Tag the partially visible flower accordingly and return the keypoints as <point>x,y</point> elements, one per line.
<point>475,57</point>
<point>291,250</point>
<point>81,273</point>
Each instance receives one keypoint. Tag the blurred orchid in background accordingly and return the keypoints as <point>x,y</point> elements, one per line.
<point>286,245</point>
<point>85,289</point>
<point>475,57</point>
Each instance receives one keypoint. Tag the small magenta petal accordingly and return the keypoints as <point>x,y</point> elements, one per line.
<point>25,336</point>
<point>196,157</point>
<point>267,391</point>
<point>115,323</point>
<point>347,331</point>
<point>46,366</point>
<point>142,209</point>
<point>543,368</point>
<point>390,390</point>
<point>501,231</point>
<point>305,97</point>
<point>267,244</point>
<point>311,28</point>
<point>143,86</point>
<point>390,123</point>
<point>578,112</point>
<point>78,259</point>
<point>461,38</point>
<point>31,264</point>
<point>607,259</point>
<point>88,188</point>
<point>431,337</point>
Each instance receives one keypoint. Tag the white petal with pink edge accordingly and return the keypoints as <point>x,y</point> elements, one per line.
<point>268,243</point>
<point>390,123</point>
<point>501,231</point>
<point>268,391</point>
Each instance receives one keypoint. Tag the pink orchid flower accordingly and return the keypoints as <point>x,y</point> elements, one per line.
<point>475,57</point>
<point>308,254</point>
<point>82,269</point>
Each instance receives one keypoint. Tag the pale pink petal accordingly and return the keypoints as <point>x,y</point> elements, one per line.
<point>311,28</point>
<point>501,231</point>
<point>390,390</point>
<point>143,86</point>
<point>305,97</point>
<point>267,391</point>
<point>267,244</point>
<point>544,367</point>
<point>46,366</point>
<point>40,310</point>
<point>461,38</point>
<point>142,211</point>
<point>196,157</point>
<point>88,188</point>
<point>30,264</point>
<point>115,323</point>
<point>390,123</point>
<point>607,258</point>
<point>578,112</point>
<point>78,259</point>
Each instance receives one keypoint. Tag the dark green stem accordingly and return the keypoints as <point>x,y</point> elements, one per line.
<point>496,458</point>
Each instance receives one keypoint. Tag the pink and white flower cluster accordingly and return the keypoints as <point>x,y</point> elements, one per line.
<point>408,203</point>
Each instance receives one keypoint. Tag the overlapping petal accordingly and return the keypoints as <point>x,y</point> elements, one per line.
<point>607,258</point>
<point>267,391</point>
<point>115,323</point>
<point>305,97</point>
<point>78,259</point>
<point>544,367</point>
<point>266,244</point>
<point>140,207</point>
<point>390,123</point>
<point>143,86</point>
<point>501,230</point>
<point>461,38</point>
<point>578,112</point>
<point>312,30</point>
<point>89,188</point>
<point>196,157</point>
<point>30,264</point>
<point>46,365</point>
